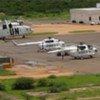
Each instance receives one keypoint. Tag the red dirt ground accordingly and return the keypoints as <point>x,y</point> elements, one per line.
<point>63,28</point>
<point>36,72</point>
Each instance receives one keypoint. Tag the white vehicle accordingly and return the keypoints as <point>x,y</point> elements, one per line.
<point>84,51</point>
<point>8,28</point>
<point>45,45</point>
<point>92,23</point>
<point>79,51</point>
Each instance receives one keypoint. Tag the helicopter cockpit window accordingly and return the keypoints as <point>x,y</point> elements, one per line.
<point>81,47</point>
<point>90,46</point>
<point>49,41</point>
<point>63,45</point>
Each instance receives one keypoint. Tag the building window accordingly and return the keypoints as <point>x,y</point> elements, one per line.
<point>73,21</point>
<point>81,22</point>
<point>99,17</point>
<point>90,19</point>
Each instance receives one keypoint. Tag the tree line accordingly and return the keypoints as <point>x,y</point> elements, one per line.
<point>23,7</point>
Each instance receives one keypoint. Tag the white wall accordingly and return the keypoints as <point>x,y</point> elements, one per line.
<point>81,15</point>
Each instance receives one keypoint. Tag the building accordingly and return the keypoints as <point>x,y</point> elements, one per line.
<point>86,15</point>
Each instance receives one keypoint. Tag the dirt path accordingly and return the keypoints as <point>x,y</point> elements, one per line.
<point>63,28</point>
<point>36,72</point>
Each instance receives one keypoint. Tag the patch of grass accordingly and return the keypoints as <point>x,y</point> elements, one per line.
<point>82,31</point>
<point>41,33</point>
<point>75,95</point>
<point>71,82</point>
<point>4,96</point>
<point>6,73</point>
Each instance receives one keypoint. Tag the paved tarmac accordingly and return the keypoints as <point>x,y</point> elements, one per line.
<point>29,53</point>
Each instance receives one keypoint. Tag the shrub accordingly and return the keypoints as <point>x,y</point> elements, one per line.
<point>2,87</point>
<point>54,89</point>
<point>23,83</point>
<point>52,76</point>
<point>57,87</point>
<point>42,98</point>
<point>42,82</point>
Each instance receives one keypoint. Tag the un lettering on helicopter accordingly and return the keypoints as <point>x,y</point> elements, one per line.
<point>8,28</point>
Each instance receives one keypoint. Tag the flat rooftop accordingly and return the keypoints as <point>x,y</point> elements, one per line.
<point>87,9</point>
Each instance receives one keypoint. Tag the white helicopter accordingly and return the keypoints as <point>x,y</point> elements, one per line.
<point>45,45</point>
<point>79,51</point>
<point>9,28</point>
